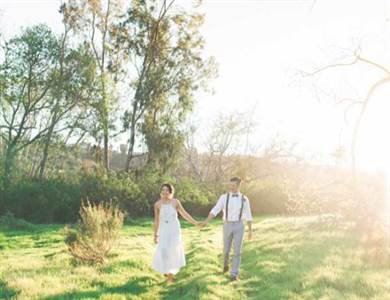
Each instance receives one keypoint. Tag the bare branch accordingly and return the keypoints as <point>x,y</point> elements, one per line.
<point>367,98</point>
<point>327,67</point>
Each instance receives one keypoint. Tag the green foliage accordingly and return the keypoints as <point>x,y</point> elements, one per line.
<point>119,187</point>
<point>267,197</point>
<point>56,200</point>
<point>96,232</point>
<point>85,19</point>
<point>6,292</point>
<point>166,45</point>
<point>149,182</point>
<point>44,201</point>
<point>27,74</point>
<point>10,222</point>
<point>195,197</point>
<point>45,84</point>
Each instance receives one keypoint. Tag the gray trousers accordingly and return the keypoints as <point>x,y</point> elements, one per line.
<point>233,232</point>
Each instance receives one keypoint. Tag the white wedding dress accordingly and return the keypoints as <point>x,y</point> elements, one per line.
<point>169,256</point>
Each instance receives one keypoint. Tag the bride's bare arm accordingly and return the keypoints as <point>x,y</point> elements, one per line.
<point>185,214</point>
<point>156,221</point>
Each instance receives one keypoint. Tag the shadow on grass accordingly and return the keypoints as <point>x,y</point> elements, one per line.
<point>6,292</point>
<point>135,287</point>
<point>36,229</point>
<point>139,222</point>
<point>278,268</point>
<point>201,277</point>
<point>129,264</point>
<point>347,285</point>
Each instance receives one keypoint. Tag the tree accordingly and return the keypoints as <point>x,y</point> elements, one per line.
<point>364,207</point>
<point>226,137</point>
<point>166,50</point>
<point>72,92</point>
<point>230,148</point>
<point>357,58</point>
<point>95,22</point>
<point>27,76</point>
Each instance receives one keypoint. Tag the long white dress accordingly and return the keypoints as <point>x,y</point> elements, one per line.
<point>169,256</point>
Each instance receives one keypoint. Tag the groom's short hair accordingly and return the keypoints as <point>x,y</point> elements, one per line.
<point>236,180</point>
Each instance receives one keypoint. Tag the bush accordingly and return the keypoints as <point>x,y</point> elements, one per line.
<point>149,184</point>
<point>267,197</point>
<point>44,201</point>
<point>9,221</point>
<point>195,198</point>
<point>118,187</point>
<point>57,200</point>
<point>374,240</point>
<point>96,232</point>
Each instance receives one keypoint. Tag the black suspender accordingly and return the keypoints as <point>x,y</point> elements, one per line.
<point>227,206</point>
<point>242,206</point>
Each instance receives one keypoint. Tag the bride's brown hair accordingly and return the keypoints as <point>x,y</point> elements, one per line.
<point>169,186</point>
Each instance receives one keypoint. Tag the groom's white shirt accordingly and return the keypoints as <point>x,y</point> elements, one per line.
<point>234,208</point>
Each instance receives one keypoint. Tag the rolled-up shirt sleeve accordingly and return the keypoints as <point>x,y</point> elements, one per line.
<point>247,210</point>
<point>217,207</point>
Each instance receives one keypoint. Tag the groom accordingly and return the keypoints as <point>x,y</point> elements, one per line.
<point>236,208</point>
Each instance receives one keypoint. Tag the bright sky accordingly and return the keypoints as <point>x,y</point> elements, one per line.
<point>259,45</point>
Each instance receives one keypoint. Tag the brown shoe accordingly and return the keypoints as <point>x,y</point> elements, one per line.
<point>234,278</point>
<point>225,269</point>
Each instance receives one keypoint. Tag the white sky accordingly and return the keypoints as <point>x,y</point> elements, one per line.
<point>259,45</point>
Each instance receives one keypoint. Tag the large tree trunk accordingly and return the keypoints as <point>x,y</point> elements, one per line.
<point>54,119</point>
<point>130,151</point>
<point>42,165</point>
<point>106,161</point>
<point>7,167</point>
<point>9,159</point>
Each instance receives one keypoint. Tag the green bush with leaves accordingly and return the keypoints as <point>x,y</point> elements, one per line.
<point>10,222</point>
<point>267,197</point>
<point>57,200</point>
<point>96,231</point>
<point>119,187</point>
<point>195,197</point>
<point>149,182</point>
<point>44,201</point>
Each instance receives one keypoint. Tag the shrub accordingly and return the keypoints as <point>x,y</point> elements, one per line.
<point>57,200</point>
<point>374,239</point>
<point>195,198</point>
<point>267,197</point>
<point>44,201</point>
<point>9,221</point>
<point>148,182</point>
<point>118,187</point>
<point>96,231</point>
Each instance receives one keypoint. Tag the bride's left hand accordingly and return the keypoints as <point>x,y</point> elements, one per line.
<point>199,225</point>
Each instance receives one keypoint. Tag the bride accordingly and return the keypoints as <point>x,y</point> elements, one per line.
<point>169,256</point>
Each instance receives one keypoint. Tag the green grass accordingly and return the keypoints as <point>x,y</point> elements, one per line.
<point>288,258</point>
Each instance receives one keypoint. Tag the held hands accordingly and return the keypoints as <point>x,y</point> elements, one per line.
<point>200,225</point>
<point>203,224</point>
<point>249,234</point>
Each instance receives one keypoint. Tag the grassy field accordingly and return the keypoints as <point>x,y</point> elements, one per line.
<point>288,258</point>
